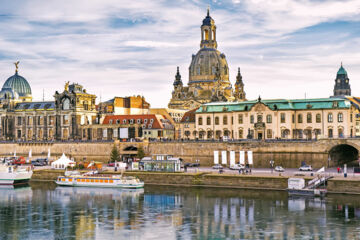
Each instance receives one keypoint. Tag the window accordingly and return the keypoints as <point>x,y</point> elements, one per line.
<point>216,120</point>
<point>341,133</point>
<point>309,118</point>
<point>208,121</point>
<point>340,117</point>
<point>118,121</point>
<point>241,133</point>
<point>318,118</point>
<point>138,121</point>
<point>269,133</point>
<point>252,119</point>
<point>65,119</point>
<point>259,118</point>
<point>293,118</point>
<point>351,117</point>
<point>145,120</point>
<point>268,118</point>
<point>240,117</point>
<point>300,119</point>
<point>330,133</point>
<point>131,121</point>
<point>66,104</point>
<point>225,120</point>
<point>124,121</point>
<point>282,117</point>
<point>110,121</point>
<point>19,120</point>
<point>330,118</point>
<point>200,121</point>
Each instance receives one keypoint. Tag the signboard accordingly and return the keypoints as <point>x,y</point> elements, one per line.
<point>242,157</point>
<point>250,157</point>
<point>232,158</point>
<point>135,166</point>
<point>223,157</point>
<point>124,133</point>
<point>216,157</point>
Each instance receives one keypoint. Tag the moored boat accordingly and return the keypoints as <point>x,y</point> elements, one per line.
<point>116,181</point>
<point>13,175</point>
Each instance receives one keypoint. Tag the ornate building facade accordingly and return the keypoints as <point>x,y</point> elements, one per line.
<point>274,119</point>
<point>208,75</point>
<point>24,120</point>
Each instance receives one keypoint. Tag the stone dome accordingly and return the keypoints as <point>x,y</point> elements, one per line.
<point>18,84</point>
<point>208,65</point>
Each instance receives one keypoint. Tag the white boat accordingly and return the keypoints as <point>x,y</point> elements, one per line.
<point>13,175</point>
<point>102,181</point>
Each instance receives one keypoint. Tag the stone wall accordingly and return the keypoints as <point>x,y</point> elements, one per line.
<point>287,154</point>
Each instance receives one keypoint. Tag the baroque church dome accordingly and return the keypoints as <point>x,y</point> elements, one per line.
<point>208,65</point>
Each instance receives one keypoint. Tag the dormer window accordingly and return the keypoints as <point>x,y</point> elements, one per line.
<point>124,121</point>
<point>111,121</point>
<point>138,121</point>
<point>151,120</point>
<point>118,121</point>
<point>145,120</point>
<point>131,121</point>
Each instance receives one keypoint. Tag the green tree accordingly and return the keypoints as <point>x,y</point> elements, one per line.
<point>140,153</point>
<point>114,155</point>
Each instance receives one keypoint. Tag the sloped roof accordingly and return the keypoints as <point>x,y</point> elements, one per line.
<point>189,116</point>
<point>277,104</point>
<point>119,119</point>
<point>35,106</point>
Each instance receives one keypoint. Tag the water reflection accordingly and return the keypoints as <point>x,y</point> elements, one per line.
<point>49,212</point>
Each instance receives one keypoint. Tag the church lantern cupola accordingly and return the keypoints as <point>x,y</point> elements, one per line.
<point>342,85</point>
<point>208,32</point>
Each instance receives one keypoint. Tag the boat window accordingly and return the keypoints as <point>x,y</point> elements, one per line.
<point>97,180</point>
<point>111,181</point>
<point>101,180</point>
<point>63,179</point>
<point>92,180</point>
<point>78,180</point>
<point>83,180</point>
<point>106,181</point>
<point>87,180</point>
<point>70,179</point>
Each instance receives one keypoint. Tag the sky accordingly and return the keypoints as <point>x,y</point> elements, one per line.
<point>285,48</point>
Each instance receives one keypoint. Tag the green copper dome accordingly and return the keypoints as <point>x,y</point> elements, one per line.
<point>342,71</point>
<point>18,84</point>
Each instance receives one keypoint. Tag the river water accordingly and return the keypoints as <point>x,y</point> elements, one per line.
<point>44,211</point>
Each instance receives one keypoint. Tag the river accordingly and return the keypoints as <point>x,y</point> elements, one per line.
<point>44,211</point>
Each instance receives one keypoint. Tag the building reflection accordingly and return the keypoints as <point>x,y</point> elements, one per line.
<point>164,212</point>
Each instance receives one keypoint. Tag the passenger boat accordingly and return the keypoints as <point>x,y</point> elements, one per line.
<point>14,175</point>
<point>102,181</point>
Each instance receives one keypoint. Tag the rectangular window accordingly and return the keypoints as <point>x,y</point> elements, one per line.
<point>351,117</point>
<point>330,118</point>
<point>330,133</point>
<point>252,119</point>
<point>65,119</point>
<point>240,116</point>
<point>282,117</point>
<point>293,118</point>
<point>19,121</point>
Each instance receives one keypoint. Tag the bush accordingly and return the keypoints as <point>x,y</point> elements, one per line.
<point>140,153</point>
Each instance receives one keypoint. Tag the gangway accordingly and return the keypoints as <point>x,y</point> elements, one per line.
<point>318,181</point>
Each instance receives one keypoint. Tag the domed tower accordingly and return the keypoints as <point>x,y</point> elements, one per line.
<point>16,88</point>
<point>239,88</point>
<point>177,83</point>
<point>342,85</point>
<point>208,73</point>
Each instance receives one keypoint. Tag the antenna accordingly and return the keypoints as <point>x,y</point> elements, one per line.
<point>305,95</point>
<point>43,95</point>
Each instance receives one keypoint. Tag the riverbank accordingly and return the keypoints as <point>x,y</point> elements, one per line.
<point>207,179</point>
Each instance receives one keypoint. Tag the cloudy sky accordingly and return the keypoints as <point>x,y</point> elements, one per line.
<point>285,48</point>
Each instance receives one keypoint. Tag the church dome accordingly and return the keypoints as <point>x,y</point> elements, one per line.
<point>18,84</point>
<point>208,65</point>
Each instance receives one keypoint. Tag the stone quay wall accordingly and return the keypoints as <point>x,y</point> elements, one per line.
<point>288,154</point>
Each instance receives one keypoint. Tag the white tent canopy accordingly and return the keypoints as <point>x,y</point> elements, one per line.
<point>62,163</point>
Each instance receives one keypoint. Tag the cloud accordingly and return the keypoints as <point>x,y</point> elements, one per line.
<point>119,48</point>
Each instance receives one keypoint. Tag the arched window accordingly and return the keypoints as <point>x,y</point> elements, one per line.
<point>66,104</point>
<point>318,118</point>
<point>216,120</point>
<point>330,118</point>
<point>340,117</point>
<point>309,118</point>
<point>208,121</point>
<point>200,121</point>
<point>206,34</point>
<point>268,118</point>
<point>259,118</point>
<point>300,119</point>
<point>240,133</point>
<point>225,121</point>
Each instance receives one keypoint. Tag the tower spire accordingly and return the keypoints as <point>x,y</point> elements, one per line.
<point>208,11</point>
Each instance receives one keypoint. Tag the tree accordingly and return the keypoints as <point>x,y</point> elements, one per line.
<point>114,155</point>
<point>140,153</point>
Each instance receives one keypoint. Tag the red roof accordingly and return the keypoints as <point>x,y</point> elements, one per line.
<point>145,119</point>
<point>189,116</point>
